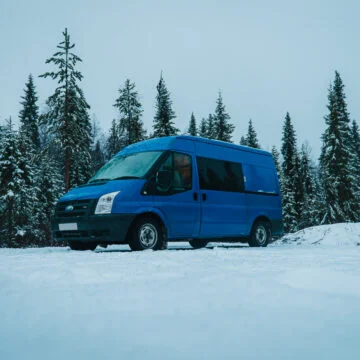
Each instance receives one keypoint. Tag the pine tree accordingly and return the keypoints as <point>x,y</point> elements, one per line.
<point>223,129</point>
<point>18,227</point>
<point>211,128</point>
<point>335,158</point>
<point>115,141</point>
<point>203,128</point>
<point>97,158</point>
<point>50,187</point>
<point>29,114</point>
<point>68,117</point>
<point>310,208</point>
<point>164,115</point>
<point>251,137</point>
<point>289,177</point>
<point>130,110</point>
<point>192,126</point>
<point>276,156</point>
<point>355,167</point>
<point>243,141</point>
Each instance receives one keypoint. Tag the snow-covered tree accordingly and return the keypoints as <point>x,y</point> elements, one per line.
<point>251,137</point>
<point>310,207</point>
<point>355,166</point>
<point>276,156</point>
<point>243,141</point>
<point>335,158</point>
<point>29,114</point>
<point>202,131</point>
<point>164,114</point>
<point>223,128</point>
<point>192,126</point>
<point>130,111</point>
<point>68,117</point>
<point>17,193</point>
<point>115,140</point>
<point>211,127</point>
<point>289,177</point>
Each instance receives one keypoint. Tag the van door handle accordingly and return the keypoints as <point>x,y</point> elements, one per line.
<point>195,196</point>
<point>204,197</point>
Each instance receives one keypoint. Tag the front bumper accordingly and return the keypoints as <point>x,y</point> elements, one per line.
<point>101,229</point>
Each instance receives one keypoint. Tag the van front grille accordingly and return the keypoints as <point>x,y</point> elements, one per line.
<point>73,209</point>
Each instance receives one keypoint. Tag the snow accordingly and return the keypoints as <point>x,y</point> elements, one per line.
<point>346,234</point>
<point>222,302</point>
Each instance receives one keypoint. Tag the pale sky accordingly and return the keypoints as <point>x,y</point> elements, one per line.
<point>267,57</point>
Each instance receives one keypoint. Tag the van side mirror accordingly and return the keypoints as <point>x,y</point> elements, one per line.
<point>163,179</point>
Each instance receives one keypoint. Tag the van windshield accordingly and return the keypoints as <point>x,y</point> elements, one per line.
<point>130,166</point>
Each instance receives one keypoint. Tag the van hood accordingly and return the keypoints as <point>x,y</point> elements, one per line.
<point>94,191</point>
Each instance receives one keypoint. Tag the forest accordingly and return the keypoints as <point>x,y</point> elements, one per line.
<point>62,147</point>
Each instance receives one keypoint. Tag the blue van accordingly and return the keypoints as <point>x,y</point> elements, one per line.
<point>177,188</point>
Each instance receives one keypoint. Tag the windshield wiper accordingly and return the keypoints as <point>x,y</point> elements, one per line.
<point>97,180</point>
<point>126,177</point>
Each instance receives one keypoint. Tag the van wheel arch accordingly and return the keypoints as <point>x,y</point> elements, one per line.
<point>148,215</point>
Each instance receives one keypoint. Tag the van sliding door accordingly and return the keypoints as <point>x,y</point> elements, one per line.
<point>223,201</point>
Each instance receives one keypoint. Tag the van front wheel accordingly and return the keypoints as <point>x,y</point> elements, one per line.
<point>146,234</point>
<point>260,234</point>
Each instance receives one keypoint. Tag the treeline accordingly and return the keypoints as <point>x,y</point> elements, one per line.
<point>62,147</point>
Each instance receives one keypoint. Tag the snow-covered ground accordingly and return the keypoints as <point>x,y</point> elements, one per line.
<point>223,302</point>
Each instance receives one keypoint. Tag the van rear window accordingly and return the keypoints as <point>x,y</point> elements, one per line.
<point>260,179</point>
<point>220,175</point>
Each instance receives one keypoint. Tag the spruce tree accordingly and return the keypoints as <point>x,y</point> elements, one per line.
<point>164,114</point>
<point>97,157</point>
<point>17,194</point>
<point>310,208</point>
<point>130,111</point>
<point>203,128</point>
<point>50,187</point>
<point>251,137</point>
<point>115,141</point>
<point>335,158</point>
<point>211,128</point>
<point>192,126</point>
<point>243,141</point>
<point>68,117</point>
<point>289,177</point>
<point>276,156</point>
<point>223,129</point>
<point>355,167</point>
<point>29,114</point>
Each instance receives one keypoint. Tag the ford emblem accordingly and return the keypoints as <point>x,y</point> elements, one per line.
<point>69,208</point>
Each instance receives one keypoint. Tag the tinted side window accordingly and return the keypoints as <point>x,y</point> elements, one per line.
<point>260,180</point>
<point>220,175</point>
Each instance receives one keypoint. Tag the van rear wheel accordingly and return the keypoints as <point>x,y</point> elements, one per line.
<point>147,234</point>
<point>260,234</point>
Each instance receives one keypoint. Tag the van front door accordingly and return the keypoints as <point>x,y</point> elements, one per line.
<point>175,194</point>
<point>223,201</point>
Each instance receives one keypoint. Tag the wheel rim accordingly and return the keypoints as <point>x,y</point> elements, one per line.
<point>261,235</point>
<point>148,235</point>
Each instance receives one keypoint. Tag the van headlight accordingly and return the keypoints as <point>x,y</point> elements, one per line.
<point>105,203</point>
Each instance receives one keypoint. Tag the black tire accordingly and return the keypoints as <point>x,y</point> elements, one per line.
<point>146,234</point>
<point>198,243</point>
<point>80,246</point>
<point>260,234</point>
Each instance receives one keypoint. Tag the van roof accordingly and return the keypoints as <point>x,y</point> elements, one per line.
<point>165,143</point>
